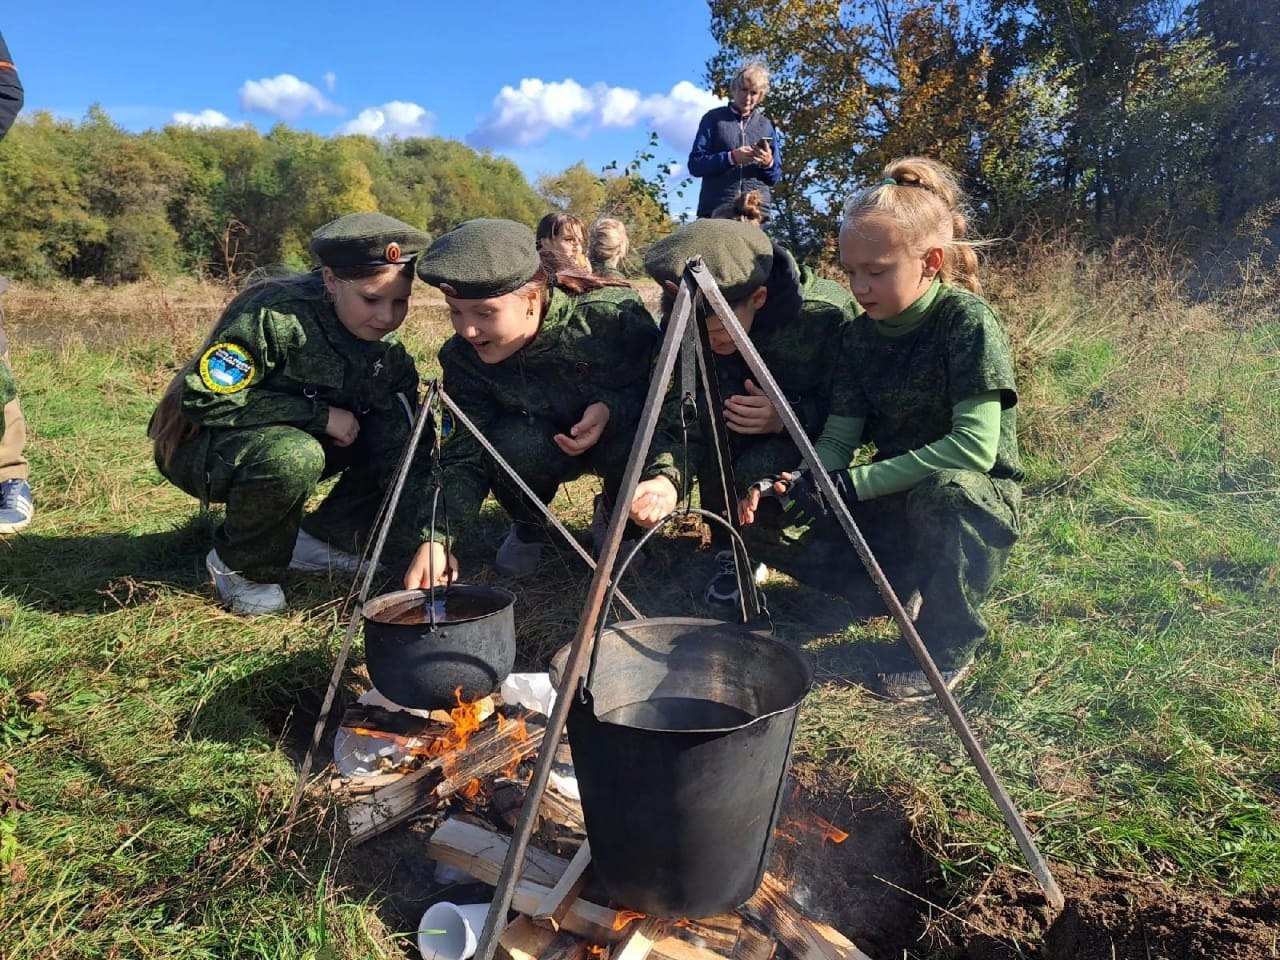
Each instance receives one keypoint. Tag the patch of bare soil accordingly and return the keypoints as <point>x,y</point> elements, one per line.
<point>881,890</point>
<point>1110,916</point>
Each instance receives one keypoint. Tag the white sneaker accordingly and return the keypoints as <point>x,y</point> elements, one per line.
<point>516,557</point>
<point>313,555</point>
<point>244,597</point>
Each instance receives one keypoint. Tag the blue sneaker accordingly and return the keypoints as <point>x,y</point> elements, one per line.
<point>16,509</point>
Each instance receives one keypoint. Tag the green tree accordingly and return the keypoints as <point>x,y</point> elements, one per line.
<point>46,215</point>
<point>854,83</point>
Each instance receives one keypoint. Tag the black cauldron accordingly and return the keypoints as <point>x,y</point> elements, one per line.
<point>681,738</point>
<point>464,654</point>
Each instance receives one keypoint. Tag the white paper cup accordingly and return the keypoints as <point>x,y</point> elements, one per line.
<point>462,926</point>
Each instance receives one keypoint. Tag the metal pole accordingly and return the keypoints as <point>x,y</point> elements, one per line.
<point>1012,818</point>
<point>382,527</point>
<point>574,663</point>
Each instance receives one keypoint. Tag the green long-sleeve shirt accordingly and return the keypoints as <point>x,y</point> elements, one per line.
<point>932,389</point>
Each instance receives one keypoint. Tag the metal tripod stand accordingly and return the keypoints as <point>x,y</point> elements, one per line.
<point>697,283</point>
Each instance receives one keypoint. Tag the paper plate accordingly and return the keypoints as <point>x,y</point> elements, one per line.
<point>359,755</point>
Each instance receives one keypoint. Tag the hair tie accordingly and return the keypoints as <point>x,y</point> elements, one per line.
<point>888,182</point>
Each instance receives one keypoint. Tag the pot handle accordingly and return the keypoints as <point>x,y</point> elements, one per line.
<point>431,599</point>
<point>758,606</point>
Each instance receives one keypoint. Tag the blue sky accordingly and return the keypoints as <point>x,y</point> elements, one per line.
<point>546,84</point>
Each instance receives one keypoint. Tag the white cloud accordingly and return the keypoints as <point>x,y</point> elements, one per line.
<point>675,115</point>
<point>394,119</point>
<point>330,80</point>
<point>524,115</point>
<point>284,97</point>
<point>204,120</point>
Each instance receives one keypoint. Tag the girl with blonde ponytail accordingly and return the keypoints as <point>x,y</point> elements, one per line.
<point>925,375</point>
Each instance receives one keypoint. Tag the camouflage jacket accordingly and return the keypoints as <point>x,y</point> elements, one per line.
<point>795,333</point>
<point>904,388</point>
<point>281,356</point>
<point>598,346</point>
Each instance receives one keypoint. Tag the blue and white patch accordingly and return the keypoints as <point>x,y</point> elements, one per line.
<point>447,426</point>
<point>226,368</point>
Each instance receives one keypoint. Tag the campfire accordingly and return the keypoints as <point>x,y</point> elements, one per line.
<point>469,768</point>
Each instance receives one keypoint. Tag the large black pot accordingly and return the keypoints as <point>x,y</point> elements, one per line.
<point>681,738</point>
<point>466,652</point>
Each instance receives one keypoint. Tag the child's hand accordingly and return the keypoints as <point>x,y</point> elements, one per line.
<point>342,426</point>
<point>586,433</point>
<point>432,564</point>
<point>750,502</point>
<point>653,500</point>
<point>752,413</point>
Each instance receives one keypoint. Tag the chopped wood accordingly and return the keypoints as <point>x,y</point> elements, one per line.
<point>487,752</point>
<point>641,939</point>
<point>481,853</point>
<point>805,939</point>
<point>567,888</point>
<point>522,939</point>
<point>754,944</point>
<point>398,723</point>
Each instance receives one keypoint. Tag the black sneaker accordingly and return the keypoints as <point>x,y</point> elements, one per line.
<point>723,585</point>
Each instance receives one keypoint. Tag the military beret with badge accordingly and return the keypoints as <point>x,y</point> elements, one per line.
<point>367,240</point>
<point>481,259</point>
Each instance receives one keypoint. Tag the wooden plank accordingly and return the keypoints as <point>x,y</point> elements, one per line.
<point>753,944</point>
<point>805,939</point>
<point>522,939</point>
<point>438,779</point>
<point>567,889</point>
<point>481,854</point>
<point>640,939</point>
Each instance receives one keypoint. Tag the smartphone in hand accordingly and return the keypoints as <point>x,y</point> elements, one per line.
<point>764,142</point>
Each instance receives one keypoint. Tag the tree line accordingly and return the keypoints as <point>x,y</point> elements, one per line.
<point>1107,115</point>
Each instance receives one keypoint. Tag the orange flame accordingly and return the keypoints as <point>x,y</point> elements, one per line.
<point>830,832</point>
<point>472,789</point>
<point>625,917</point>
<point>595,950</point>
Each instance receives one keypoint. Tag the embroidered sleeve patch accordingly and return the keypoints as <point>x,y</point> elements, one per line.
<point>226,368</point>
<point>447,426</point>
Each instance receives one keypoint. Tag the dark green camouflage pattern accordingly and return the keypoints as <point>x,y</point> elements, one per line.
<point>262,449</point>
<point>904,387</point>
<point>598,346</point>
<point>799,351</point>
<point>949,537</point>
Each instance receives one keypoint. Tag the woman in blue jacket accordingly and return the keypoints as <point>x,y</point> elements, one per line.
<point>736,148</point>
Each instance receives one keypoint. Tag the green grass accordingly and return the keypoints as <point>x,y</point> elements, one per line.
<point>1129,697</point>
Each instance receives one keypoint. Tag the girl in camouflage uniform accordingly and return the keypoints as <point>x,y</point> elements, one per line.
<point>300,379</point>
<point>926,376</point>
<point>552,368</point>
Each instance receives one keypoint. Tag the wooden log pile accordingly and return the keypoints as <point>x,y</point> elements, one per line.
<point>560,916</point>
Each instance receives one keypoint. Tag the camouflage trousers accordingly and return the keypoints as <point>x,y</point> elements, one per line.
<point>265,476</point>
<point>13,428</point>
<point>526,444</point>
<point>949,537</point>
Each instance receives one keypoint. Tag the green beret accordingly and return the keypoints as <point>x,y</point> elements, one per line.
<point>738,255</point>
<point>367,240</point>
<point>481,258</point>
